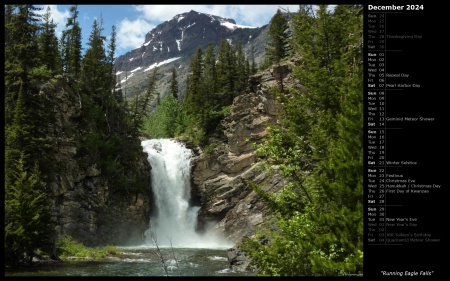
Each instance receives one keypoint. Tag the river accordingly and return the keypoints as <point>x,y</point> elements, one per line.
<point>140,261</point>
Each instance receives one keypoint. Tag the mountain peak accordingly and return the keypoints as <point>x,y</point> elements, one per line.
<point>173,43</point>
<point>194,14</point>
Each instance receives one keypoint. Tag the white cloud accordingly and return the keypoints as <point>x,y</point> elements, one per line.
<point>131,34</point>
<point>257,15</point>
<point>249,15</point>
<point>161,13</point>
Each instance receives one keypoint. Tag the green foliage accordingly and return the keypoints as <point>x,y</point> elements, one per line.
<point>174,84</point>
<point>226,73</point>
<point>28,222</point>
<point>21,53</point>
<point>194,103</point>
<point>167,121</point>
<point>212,123</point>
<point>67,247</point>
<point>141,103</point>
<point>294,251</point>
<point>49,45</point>
<point>277,45</point>
<point>29,150</point>
<point>71,48</point>
<point>318,147</point>
<point>212,84</point>
<point>209,149</point>
<point>195,135</point>
<point>270,198</point>
<point>242,68</point>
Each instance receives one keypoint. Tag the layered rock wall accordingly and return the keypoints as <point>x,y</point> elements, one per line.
<point>220,178</point>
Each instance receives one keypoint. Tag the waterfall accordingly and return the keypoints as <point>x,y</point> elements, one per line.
<point>173,218</point>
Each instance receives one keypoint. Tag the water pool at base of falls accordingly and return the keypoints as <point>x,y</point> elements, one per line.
<point>140,261</point>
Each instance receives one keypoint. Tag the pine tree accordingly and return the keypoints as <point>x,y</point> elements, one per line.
<point>96,70</point>
<point>210,75</point>
<point>226,73</point>
<point>28,221</point>
<point>95,89</point>
<point>9,16</point>
<point>25,76</point>
<point>211,102</point>
<point>48,45</point>
<point>71,48</point>
<point>115,110</point>
<point>108,126</point>
<point>241,72</point>
<point>277,45</point>
<point>21,53</point>
<point>193,103</point>
<point>47,77</point>
<point>151,95</point>
<point>110,57</point>
<point>174,84</point>
<point>141,103</point>
<point>18,137</point>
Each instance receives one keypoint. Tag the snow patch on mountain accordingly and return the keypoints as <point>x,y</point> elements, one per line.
<point>156,64</point>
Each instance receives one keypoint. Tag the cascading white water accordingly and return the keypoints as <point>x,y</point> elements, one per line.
<point>174,220</point>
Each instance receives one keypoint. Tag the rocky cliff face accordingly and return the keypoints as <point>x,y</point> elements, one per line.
<point>219,178</point>
<point>83,205</point>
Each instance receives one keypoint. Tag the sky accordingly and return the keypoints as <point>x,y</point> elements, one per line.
<point>132,22</point>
